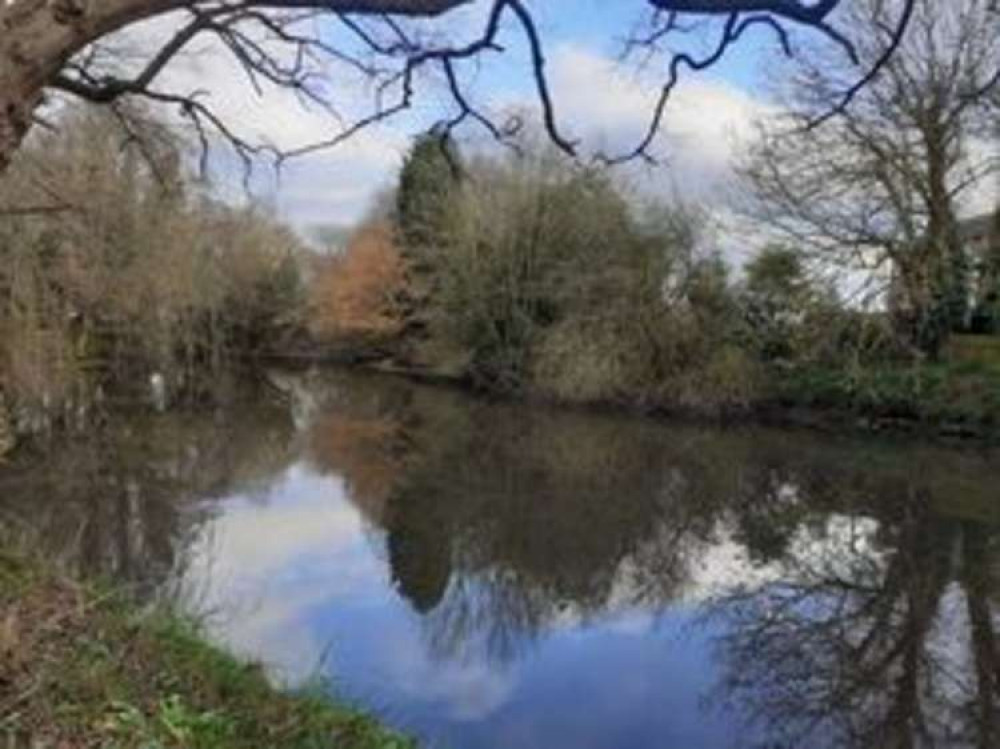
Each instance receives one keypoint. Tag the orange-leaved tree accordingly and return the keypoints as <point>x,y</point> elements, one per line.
<point>358,295</point>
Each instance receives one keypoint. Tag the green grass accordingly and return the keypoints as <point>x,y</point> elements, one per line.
<point>957,392</point>
<point>80,666</point>
<point>978,349</point>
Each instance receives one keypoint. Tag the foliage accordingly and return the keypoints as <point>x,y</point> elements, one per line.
<point>550,280</point>
<point>788,316</point>
<point>125,269</point>
<point>357,296</point>
<point>986,309</point>
<point>776,276</point>
<point>553,280</point>
<point>963,398</point>
<point>427,182</point>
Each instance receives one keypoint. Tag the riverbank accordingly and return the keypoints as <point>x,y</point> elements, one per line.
<point>950,401</point>
<point>953,400</point>
<point>81,666</point>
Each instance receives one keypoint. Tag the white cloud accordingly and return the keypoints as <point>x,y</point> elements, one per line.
<point>606,105</point>
<point>329,186</point>
<point>706,120</point>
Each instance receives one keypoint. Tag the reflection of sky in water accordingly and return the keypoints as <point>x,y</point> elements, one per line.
<point>295,579</point>
<point>587,581</point>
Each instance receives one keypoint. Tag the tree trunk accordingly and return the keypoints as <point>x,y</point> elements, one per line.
<point>8,439</point>
<point>986,653</point>
<point>950,276</point>
<point>20,91</point>
<point>37,37</point>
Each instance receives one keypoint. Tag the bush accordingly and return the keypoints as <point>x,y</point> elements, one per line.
<point>547,278</point>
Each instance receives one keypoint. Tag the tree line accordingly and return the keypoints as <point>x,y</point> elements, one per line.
<point>116,265</point>
<point>527,274</point>
<point>532,274</point>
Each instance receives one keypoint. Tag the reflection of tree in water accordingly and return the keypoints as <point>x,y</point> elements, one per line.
<point>117,499</point>
<point>362,435</point>
<point>503,521</point>
<point>879,631</point>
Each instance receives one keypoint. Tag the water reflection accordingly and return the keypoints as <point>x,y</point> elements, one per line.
<point>855,602</point>
<point>883,635</point>
<point>123,499</point>
<point>502,575</point>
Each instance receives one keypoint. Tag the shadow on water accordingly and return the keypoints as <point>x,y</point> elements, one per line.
<point>837,592</point>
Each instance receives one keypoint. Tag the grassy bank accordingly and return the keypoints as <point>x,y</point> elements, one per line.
<point>957,398</point>
<point>82,667</point>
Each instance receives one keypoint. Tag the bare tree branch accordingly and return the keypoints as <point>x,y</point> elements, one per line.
<point>267,40</point>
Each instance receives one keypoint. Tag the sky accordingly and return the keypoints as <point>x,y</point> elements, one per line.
<point>599,100</point>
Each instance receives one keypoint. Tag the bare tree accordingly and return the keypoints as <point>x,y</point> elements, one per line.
<point>57,45</point>
<point>878,190</point>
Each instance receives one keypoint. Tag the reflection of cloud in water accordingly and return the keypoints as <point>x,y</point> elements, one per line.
<point>725,566</point>
<point>274,634</point>
<point>267,570</point>
<point>636,622</point>
<point>268,573</point>
<point>951,647</point>
<point>258,565</point>
<point>465,690</point>
<point>722,566</point>
<point>489,575</point>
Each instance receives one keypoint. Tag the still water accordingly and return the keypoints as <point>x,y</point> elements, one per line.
<point>497,575</point>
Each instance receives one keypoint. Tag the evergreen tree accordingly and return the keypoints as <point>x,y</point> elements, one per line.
<point>427,184</point>
<point>425,199</point>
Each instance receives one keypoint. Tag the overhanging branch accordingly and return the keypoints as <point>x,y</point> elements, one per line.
<point>391,57</point>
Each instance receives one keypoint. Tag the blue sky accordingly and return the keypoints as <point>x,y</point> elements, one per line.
<point>604,104</point>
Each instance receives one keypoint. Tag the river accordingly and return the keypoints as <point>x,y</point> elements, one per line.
<point>487,575</point>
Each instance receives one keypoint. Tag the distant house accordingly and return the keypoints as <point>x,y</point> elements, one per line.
<point>980,236</point>
<point>979,233</point>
